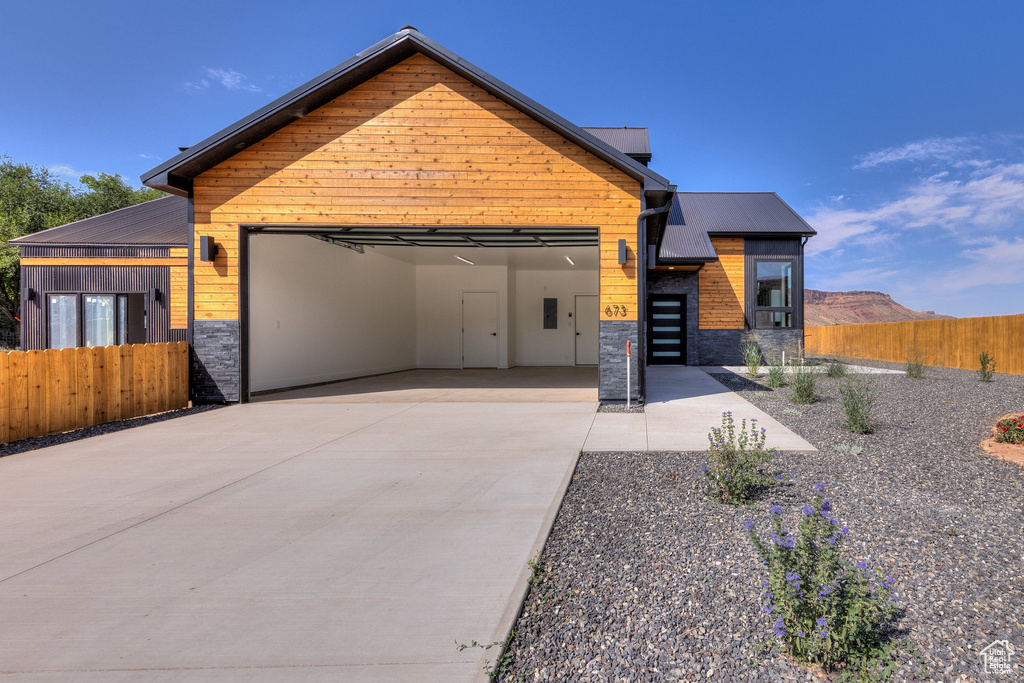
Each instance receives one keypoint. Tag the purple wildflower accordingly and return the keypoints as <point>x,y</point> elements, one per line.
<point>780,627</point>
<point>808,510</point>
<point>776,509</point>
<point>749,524</point>
<point>819,487</point>
<point>821,621</point>
<point>825,590</point>
<point>894,597</point>
<point>768,607</point>
<point>862,565</point>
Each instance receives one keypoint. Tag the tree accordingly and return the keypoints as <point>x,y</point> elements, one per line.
<point>32,199</point>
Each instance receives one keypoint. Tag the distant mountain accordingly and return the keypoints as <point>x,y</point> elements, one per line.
<point>846,308</point>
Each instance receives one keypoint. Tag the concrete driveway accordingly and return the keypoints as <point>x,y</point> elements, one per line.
<point>281,541</point>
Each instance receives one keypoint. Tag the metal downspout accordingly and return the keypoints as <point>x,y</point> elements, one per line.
<point>641,268</point>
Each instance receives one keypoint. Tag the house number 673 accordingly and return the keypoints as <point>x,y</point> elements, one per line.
<point>615,311</point>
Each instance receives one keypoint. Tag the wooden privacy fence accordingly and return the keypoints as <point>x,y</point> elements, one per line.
<point>950,343</point>
<point>44,392</point>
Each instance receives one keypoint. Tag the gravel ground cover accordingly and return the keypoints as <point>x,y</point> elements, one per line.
<point>35,442</point>
<point>645,579</point>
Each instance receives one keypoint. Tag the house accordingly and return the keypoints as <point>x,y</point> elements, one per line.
<point>408,210</point>
<point>117,278</point>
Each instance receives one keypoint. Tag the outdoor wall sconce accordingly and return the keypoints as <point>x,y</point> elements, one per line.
<point>154,295</point>
<point>622,252</point>
<point>207,248</point>
<point>28,294</point>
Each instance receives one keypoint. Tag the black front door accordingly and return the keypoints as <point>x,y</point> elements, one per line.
<point>666,329</point>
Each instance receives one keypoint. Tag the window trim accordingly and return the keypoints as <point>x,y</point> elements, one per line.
<point>80,315</point>
<point>791,309</point>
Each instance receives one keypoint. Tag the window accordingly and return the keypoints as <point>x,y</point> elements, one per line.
<point>96,320</point>
<point>63,332</point>
<point>774,302</point>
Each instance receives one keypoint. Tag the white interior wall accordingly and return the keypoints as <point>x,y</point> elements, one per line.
<point>320,312</point>
<point>534,345</point>
<point>439,311</point>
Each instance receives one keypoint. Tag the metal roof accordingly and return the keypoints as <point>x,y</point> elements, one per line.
<point>685,243</point>
<point>162,221</point>
<point>175,175</point>
<point>632,141</point>
<point>737,213</point>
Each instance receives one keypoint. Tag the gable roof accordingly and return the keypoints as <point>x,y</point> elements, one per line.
<point>158,222</point>
<point>634,142</point>
<point>175,174</point>
<point>737,213</point>
<point>695,216</point>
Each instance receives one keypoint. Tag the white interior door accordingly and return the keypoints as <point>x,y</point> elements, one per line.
<point>479,329</point>
<point>586,315</point>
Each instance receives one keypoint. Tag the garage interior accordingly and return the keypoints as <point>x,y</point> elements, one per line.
<point>340,303</point>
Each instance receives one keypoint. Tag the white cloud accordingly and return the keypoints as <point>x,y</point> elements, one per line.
<point>66,171</point>
<point>226,78</point>
<point>150,156</point>
<point>932,149</point>
<point>988,199</point>
<point>998,263</point>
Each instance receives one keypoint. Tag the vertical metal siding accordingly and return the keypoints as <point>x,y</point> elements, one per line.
<point>94,280</point>
<point>97,252</point>
<point>778,250</point>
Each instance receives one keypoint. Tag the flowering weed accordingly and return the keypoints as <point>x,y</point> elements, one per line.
<point>737,467</point>
<point>1010,430</point>
<point>827,610</point>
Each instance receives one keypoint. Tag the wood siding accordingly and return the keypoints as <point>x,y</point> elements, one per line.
<point>416,145</point>
<point>952,343</point>
<point>179,290</point>
<point>721,287</point>
<point>44,392</point>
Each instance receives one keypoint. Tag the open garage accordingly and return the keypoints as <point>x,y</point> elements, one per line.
<point>337,303</point>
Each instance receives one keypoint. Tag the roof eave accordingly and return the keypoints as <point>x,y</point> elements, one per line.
<point>175,174</point>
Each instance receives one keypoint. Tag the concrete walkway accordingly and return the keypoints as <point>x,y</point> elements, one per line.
<point>281,541</point>
<point>683,403</point>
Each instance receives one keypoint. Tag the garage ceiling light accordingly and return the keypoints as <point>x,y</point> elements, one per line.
<point>571,262</point>
<point>465,260</point>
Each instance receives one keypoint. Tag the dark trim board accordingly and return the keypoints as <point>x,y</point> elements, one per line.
<point>244,265</point>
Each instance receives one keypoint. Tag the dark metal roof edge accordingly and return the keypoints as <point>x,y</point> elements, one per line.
<point>161,175</point>
<point>24,239</point>
<point>761,235</point>
<point>786,204</point>
<point>102,245</point>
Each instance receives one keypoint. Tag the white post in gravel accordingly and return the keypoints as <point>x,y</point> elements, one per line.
<point>628,383</point>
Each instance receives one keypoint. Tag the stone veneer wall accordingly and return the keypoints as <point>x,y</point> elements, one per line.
<point>216,361</point>
<point>613,336</point>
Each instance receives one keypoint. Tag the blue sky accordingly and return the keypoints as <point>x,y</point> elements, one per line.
<point>895,128</point>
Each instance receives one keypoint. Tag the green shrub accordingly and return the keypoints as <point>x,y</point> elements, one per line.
<point>1010,430</point>
<point>737,466</point>
<point>752,357</point>
<point>915,364</point>
<point>988,366</point>
<point>776,373</point>
<point>858,398</point>
<point>835,369</point>
<point>805,384</point>
<point>827,610</point>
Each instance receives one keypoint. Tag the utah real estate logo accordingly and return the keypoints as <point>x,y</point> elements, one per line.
<point>998,656</point>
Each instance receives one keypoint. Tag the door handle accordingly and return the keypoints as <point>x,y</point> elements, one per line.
<point>577,334</point>
<point>494,334</point>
